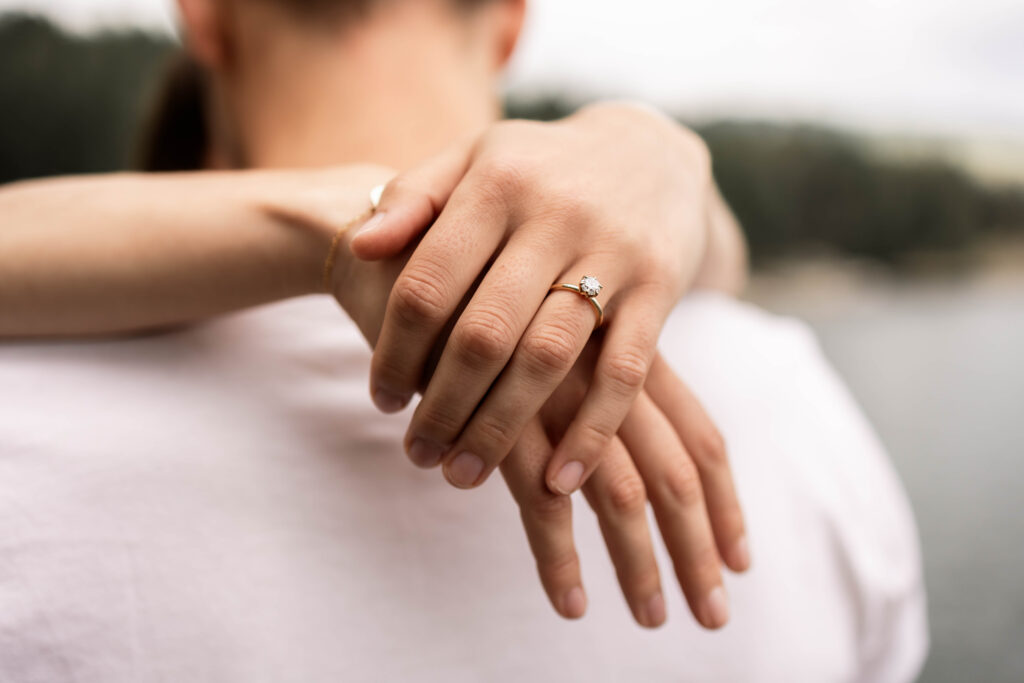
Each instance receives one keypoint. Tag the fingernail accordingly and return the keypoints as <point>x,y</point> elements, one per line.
<point>426,454</point>
<point>464,470</point>
<point>574,605</point>
<point>388,402</point>
<point>654,612</point>
<point>372,224</point>
<point>716,609</point>
<point>569,478</point>
<point>739,556</point>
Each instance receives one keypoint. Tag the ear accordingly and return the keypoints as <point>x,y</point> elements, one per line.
<point>512,16</point>
<point>205,31</point>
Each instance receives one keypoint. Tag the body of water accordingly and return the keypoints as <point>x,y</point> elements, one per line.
<point>937,365</point>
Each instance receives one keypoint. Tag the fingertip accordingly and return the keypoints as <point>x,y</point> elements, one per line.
<point>737,558</point>
<point>574,603</point>
<point>652,614</point>
<point>426,454</point>
<point>567,479</point>
<point>371,241</point>
<point>389,231</point>
<point>714,611</point>
<point>388,402</point>
<point>464,471</point>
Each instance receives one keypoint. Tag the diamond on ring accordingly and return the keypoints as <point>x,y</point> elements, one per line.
<point>590,286</point>
<point>375,196</point>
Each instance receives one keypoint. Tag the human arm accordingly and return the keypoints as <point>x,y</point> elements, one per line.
<point>133,252</point>
<point>268,215</point>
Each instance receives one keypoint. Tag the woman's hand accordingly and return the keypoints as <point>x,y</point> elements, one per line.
<point>615,192</point>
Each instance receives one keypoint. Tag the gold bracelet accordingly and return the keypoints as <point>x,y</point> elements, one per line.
<point>332,254</point>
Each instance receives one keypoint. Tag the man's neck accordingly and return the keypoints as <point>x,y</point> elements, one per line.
<point>387,95</point>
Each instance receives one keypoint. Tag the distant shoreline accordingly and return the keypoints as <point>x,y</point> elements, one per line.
<point>816,281</point>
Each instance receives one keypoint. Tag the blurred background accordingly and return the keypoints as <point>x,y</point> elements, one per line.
<point>874,151</point>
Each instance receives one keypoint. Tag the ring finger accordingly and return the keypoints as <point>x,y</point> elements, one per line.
<point>545,355</point>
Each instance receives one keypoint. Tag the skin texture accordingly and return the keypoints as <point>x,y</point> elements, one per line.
<point>133,253</point>
<point>77,257</point>
<point>545,210</point>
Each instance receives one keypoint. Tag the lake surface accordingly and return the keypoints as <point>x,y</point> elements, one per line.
<point>938,365</point>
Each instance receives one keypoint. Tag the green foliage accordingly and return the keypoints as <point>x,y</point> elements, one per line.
<point>67,104</point>
<point>805,186</point>
<point>800,187</point>
<point>72,105</point>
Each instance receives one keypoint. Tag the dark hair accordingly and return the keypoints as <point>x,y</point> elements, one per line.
<point>175,136</point>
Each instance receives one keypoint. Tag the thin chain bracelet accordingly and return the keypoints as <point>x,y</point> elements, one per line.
<point>332,254</point>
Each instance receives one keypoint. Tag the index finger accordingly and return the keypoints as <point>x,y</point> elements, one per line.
<point>627,350</point>
<point>433,284</point>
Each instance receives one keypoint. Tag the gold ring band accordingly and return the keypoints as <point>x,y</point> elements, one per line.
<point>332,253</point>
<point>594,286</point>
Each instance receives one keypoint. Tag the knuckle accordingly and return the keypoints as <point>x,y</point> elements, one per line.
<point>637,248</point>
<point>549,350</point>
<point>485,338</point>
<point>509,133</point>
<point>594,437</point>
<point>569,206</point>
<point>705,563</point>
<point>667,285</point>
<point>626,371</point>
<point>389,368</point>
<point>402,186</point>
<point>648,576</point>
<point>418,298</point>
<point>503,176</point>
<point>730,519</point>
<point>681,484</point>
<point>548,509</point>
<point>559,565</point>
<point>496,433</point>
<point>656,265</point>
<point>627,496</point>
<point>710,447</point>
<point>439,423</point>
<point>413,194</point>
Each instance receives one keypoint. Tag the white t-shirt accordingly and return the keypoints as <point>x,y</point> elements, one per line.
<point>224,504</point>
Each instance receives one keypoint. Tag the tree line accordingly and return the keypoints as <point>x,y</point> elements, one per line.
<point>74,104</point>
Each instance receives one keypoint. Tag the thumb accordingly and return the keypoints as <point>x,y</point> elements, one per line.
<point>410,204</point>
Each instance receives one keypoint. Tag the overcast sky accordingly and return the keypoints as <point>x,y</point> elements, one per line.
<point>929,66</point>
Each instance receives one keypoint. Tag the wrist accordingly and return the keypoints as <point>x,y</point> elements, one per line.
<point>314,208</point>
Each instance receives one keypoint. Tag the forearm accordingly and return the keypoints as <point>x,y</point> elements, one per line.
<point>114,254</point>
<point>726,264</point>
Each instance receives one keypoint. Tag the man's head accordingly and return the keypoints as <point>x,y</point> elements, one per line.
<point>221,31</point>
<point>271,66</point>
